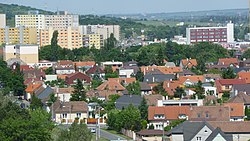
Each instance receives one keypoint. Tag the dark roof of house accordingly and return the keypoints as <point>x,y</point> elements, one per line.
<point>212,136</point>
<point>241,69</point>
<point>44,95</point>
<point>130,63</point>
<point>230,127</point>
<point>242,88</point>
<point>156,78</point>
<point>125,100</point>
<point>72,106</point>
<point>33,73</point>
<point>241,97</point>
<point>144,86</point>
<point>95,70</point>
<point>187,126</point>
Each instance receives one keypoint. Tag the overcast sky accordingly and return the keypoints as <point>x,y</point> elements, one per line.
<point>130,6</point>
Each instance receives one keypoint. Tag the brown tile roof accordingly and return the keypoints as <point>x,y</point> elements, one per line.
<point>153,99</point>
<point>170,86</point>
<point>63,90</point>
<point>32,88</point>
<point>32,80</point>
<point>232,126</point>
<point>215,113</point>
<point>163,69</point>
<point>227,61</point>
<point>236,109</point>
<point>170,112</point>
<point>189,63</point>
<point>245,76</point>
<point>241,97</point>
<point>83,64</point>
<point>222,82</point>
<point>214,76</point>
<point>65,63</point>
<point>36,73</point>
<point>111,85</point>
<point>61,76</point>
<point>123,80</point>
<point>102,94</point>
<point>95,69</point>
<point>72,106</point>
<point>194,78</point>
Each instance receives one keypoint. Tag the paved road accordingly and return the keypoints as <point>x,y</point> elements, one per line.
<point>111,136</point>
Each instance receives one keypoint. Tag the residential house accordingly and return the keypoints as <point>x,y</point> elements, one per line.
<point>30,90</point>
<point>126,73</point>
<point>145,88</point>
<point>102,94</point>
<point>36,73</point>
<point>241,69</point>
<point>111,85</point>
<point>153,99</point>
<point>191,80</point>
<point>198,131</point>
<point>241,97</point>
<point>82,66</point>
<point>226,85</point>
<point>209,113</point>
<point>244,63</point>
<point>125,100</point>
<point>96,70</point>
<point>163,69</point>
<point>124,81</point>
<point>181,102</point>
<point>64,67</point>
<point>157,76</point>
<point>63,94</point>
<point>189,92</point>
<point>159,116</point>
<point>69,112</point>
<point>170,64</point>
<point>237,88</point>
<point>186,73</point>
<point>211,77</point>
<point>170,86</point>
<point>209,88</point>
<point>51,78</point>
<point>114,65</point>
<point>150,135</point>
<point>245,76</point>
<point>188,63</point>
<point>229,62</point>
<point>237,111</point>
<point>15,60</point>
<point>131,65</point>
<point>72,78</point>
<point>43,64</point>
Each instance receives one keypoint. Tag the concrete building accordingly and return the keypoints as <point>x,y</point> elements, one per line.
<point>211,34</point>
<point>67,38</point>
<point>19,35</point>
<point>2,20</point>
<point>93,40</point>
<point>27,53</point>
<point>104,30</point>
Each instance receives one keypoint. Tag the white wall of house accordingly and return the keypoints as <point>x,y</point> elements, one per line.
<point>189,92</point>
<point>158,124</point>
<point>219,138</point>
<point>64,97</point>
<point>50,77</point>
<point>146,92</point>
<point>236,118</point>
<point>126,73</point>
<point>202,134</point>
<point>241,137</point>
<point>210,88</point>
<point>69,117</point>
<point>70,71</point>
<point>177,137</point>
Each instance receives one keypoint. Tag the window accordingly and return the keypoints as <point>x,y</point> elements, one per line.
<point>199,115</point>
<point>64,115</point>
<point>207,116</point>
<point>198,138</point>
<point>78,115</point>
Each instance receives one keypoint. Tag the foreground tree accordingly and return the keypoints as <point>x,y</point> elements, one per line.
<point>228,73</point>
<point>79,93</point>
<point>143,107</point>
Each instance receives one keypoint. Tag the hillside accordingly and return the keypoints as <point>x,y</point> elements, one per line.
<point>13,9</point>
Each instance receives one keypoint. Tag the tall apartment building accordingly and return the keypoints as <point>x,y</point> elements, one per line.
<point>104,30</point>
<point>93,40</point>
<point>2,20</point>
<point>27,53</point>
<point>18,35</point>
<point>211,34</point>
<point>67,38</point>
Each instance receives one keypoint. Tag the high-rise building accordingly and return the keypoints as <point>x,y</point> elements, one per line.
<point>2,20</point>
<point>211,34</point>
<point>27,53</point>
<point>67,38</point>
<point>104,30</point>
<point>18,35</point>
<point>93,40</point>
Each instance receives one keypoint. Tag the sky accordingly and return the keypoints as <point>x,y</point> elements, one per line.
<point>130,6</point>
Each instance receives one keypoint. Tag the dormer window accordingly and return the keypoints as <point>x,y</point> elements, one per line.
<point>207,116</point>
<point>159,116</point>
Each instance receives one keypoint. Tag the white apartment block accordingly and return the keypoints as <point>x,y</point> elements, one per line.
<point>211,34</point>
<point>2,20</point>
<point>27,53</point>
<point>104,30</point>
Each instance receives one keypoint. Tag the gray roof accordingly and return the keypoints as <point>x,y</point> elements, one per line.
<point>15,60</point>
<point>241,69</point>
<point>45,93</point>
<point>156,78</point>
<point>242,88</point>
<point>227,137</point>
<point>125,100</point>
<point>187,126</point>
<point>144,86</point>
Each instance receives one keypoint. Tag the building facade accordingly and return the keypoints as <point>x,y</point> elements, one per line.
<point>93,40</point>
<point>211,34</point>
<point>27,53</point>
<point>18,35</point>
<point>2,20</point>
<point>67,38</point>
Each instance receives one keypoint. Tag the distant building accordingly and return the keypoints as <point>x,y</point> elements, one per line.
<point>19,35</point>
<point>2,20</point>
<point>93,40</point>
<point>27,53</point>
<point>210,34</point>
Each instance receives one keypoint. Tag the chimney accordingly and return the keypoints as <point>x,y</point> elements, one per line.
<point>236,92</point>
<point>168,84</point>
<point>153,79</point>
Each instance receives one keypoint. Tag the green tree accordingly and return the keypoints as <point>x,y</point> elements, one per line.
<point>143,108</point>
<point>179,92</point>
<point>160,90</point>
<point>134,88</point>
<point>36,103</point>
<point>139,76</point>
<point>79,93</point>
<point>52,99</point>
<point>54,46</point>
<point>76,132</point>
<point>111,42</point>
<point>228,73</point>
<point>110,104</point>
<point>199,90</point>
<point>49,71</point>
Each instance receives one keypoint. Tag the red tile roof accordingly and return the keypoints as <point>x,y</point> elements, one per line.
<point>32,88</point>
<point>189,63</point>
<point>236,109</point>
<point>194,78</point>
<point>245,76</point>
<point>163,69</point>
<point>111,85</point>
<point>83,64</point>
<point>227,61</point>
<point>170,86</point>
<point>123,80</point>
